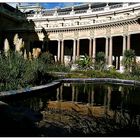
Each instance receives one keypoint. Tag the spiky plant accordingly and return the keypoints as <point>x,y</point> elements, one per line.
<point>100,61</point>
<point>129,60</point>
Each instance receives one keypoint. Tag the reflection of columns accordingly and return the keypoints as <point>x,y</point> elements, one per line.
<point>73,93</point>
<point>128,42</point>
<point>74,50</point>
<point>61,92</point>
<point>90,47</point>
<point>62,52</point>
<point>105,102</point>
<point>78,48</point>
<point>94,49</point>
<point>109,97</point>
<point>92,96</point>
<point>106,50</point>
<point>124,43</point>
<point>110,51</point>
<point>89,97</point>
<point>76,97</point>
<point>58,51</point>
<point>57,95</point>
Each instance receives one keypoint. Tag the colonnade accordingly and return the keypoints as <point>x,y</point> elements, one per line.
<point>92,48</point>
<point>90,97</point>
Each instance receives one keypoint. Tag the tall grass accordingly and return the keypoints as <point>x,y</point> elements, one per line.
<point>17,72</point>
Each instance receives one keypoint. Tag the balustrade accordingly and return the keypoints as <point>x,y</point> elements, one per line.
<point>98,9</point>
<point>116,6</point>
<point>51,12</point>
<point>64,13</point>
<point>81,22</point>
<point>80,11</point>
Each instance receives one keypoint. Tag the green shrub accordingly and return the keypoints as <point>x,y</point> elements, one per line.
<point>129,60</point>
<point>16,72</point>
<point>47,58</point>
<point>84,62</point>
<point>56,67</point>
<point>100,61</point>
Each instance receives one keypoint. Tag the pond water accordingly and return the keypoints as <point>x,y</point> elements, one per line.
<point>75,109</point>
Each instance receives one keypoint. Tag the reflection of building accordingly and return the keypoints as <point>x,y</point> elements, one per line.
<point>85,99</point>
<point>87,29</point>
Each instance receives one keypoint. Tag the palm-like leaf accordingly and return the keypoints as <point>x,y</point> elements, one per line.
<point>129,59</point>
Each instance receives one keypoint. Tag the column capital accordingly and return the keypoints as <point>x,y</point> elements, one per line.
<point>74,39</point>
<point>90,38</point>
<point>109,36</point>
<point>124,34</point>
<point>128,34</point>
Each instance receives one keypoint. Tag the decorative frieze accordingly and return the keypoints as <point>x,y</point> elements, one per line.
<point>108,31</point>
<point>100,32</point>
<point>76,34</point>
<point>60,35</point>
<point>117,30</point>
<point>134,27</point>
<point>92,32</point>
<point>125,28</point>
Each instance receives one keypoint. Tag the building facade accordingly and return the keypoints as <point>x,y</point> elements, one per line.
<point>89,28</point>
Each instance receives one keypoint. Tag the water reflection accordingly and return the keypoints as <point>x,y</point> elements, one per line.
<point>118,102</point>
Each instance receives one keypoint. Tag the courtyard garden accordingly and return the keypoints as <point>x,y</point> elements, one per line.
<point>19,70</point>
<point>38,114</point>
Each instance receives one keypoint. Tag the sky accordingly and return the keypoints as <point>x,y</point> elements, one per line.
<point>49,5</point>
<point>58,4</point>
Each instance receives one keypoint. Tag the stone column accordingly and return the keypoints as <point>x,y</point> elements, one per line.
<point>106,50</point>
<point>90,47</point>
<point>124,43</point>
<point>94,49</point>
<point>78,48</point>
<point>74,50</point>
<point>117,60</point>
<point>110,51</point>
<point>62,51</point>
<point>58,51</point>
<point>128,42</point>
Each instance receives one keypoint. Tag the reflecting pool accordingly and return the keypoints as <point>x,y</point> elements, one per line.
<point>89,109</point>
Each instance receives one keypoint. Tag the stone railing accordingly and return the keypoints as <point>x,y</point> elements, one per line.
<point>116,6</point>
<point>80,11</point>
<point>64,13</point>
<point>87,22</point>
<point>85,11</point>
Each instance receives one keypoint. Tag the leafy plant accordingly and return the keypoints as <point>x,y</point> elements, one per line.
<point>129,60</point>
<point>85,62</point>
<point>100,61</point>
<point>17,72</point>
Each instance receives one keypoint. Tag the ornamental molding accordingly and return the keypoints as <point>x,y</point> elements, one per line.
<point>76,34</point>
<point>92,32</point>
<point>108,31</point>
<point>125,28</point>
<point>60,35</point>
